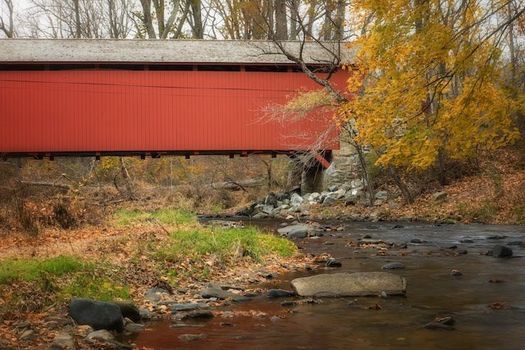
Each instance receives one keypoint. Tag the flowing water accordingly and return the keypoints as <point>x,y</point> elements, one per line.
<point>396,322</point>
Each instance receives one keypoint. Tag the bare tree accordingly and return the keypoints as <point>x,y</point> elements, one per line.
<point>7,25</point>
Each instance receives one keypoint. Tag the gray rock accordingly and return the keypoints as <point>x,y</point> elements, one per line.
<point>260,215</point>
<point>101,335</point>
<point>219,293</point>
<point>340,193</point>
<point>329,199</point>
<point>393,266</point>
<point>188,307</point>
<point>280,293</point>
<point>381,195</point>
<point>97,314</point>
<point>63,341</point>
<point>134,328</point>
<point>439,196</point>
<point>350,284</point>
<point>296,200</point>
<point>198,315</point>
<point>501,251</point>
<point>129,310</point>
<point>271,199</point>
<point>296,231</point>
<point>155,294</point>
<point>357,183</point>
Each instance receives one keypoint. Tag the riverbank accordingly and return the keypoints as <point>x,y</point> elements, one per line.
<point>487,199</point>
<point>153,259</point>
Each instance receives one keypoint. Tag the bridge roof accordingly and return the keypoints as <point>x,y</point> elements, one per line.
<point>208,52</point>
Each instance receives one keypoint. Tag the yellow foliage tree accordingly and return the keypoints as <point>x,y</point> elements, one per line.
<point>428,82</point>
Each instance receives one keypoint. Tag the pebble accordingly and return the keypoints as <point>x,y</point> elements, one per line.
<point>456,273</point>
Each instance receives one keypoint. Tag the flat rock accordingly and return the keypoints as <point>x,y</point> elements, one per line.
<point>101,335</point>
<point>296,231</point>
<point>350,284</point>
<point>198,315</point>
<point>393,266</point>
<point>280,293</point>
<point>63,341</point>
<point>155,294</point>
<point>134,328</point>
<point>188,307</point>
<point>219,293</point>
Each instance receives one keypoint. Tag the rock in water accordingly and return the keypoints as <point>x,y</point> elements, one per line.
<point>350,284</point>
<point>129,310</point>
<point>97,314</point>
<point>501,251</point>
<point>279,293</point>
<point>393,266</point>
<point>101,335</point>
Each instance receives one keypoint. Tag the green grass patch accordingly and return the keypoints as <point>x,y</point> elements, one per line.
<point>87,285</point>
<point>30,269</point>
<point>167,216</point>
<point>225,243</point>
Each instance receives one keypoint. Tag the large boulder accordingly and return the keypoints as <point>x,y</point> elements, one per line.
<point>97,314</point>
<point>129,310</point>
<point>350,284</point>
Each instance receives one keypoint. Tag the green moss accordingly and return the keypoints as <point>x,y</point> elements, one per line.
<point>225,243</point>
<point>87,285</point>
<point>168,216</point>
<point>30,270</point>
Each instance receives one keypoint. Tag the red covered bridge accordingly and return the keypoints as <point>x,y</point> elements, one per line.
<point>107,97</point>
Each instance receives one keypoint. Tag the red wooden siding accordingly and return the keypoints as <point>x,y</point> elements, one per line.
<point>143,111</point>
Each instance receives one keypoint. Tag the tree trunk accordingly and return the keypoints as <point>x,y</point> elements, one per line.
<point>196,11</point>
<point>147,19</point>
<point>405,192</point>
<point>78,28</point>
<point>281,20</point>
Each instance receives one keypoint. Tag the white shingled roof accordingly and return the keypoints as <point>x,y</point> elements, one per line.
<point>162,51</point>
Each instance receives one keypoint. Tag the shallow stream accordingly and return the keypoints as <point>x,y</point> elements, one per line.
<point>396,322</point>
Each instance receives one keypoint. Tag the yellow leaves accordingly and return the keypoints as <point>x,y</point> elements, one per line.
<point>426,84</point>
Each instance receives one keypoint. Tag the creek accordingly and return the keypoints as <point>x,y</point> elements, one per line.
<point>487,301</point>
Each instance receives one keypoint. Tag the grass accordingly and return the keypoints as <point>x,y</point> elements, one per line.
<point>167,216</point>
<point>31,270</point>
<point>225,243</point>
<point>87,285</point>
